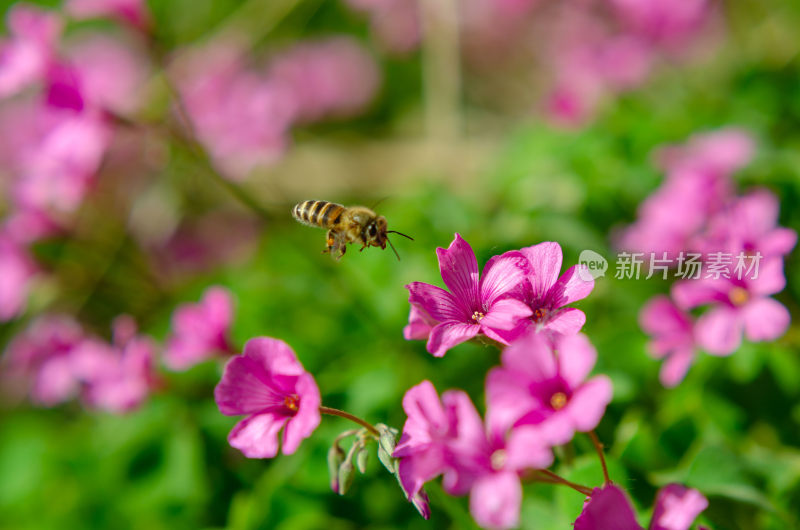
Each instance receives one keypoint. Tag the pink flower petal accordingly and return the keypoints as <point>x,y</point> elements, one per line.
<point>566,321</point>
<point>257,436</point>
<point>507,399</point>
<point>545,261</point>
<point>420,324</point>
<point>505,314</point>
<point>675,367</point>
<point>778,242</point>
<point>608,508</point>
<point>437,302</point>
<point>719,330</point>
<point>274,355</point>
<point>576,358</point>
<point>449,334</point>
<point>307,418</point>
<point>570,287</point>
<point>503,274</point>
<point>588,403</point>
<point>765,319</point>
<point>677,507</point>
<point>527,449</point>
<point>459,269</point>
<point>692,293</point>
<point>532,356</point>
<point>425,415</point>
<point>495,500</point>
<point>770,279</point>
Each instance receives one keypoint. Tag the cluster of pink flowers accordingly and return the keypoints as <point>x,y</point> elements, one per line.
<point>55,359</point>
<point>697,211</point>
<point>243,116</point>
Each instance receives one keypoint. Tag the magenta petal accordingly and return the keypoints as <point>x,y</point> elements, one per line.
<point>257,436</point>
<point>545,261</point>
<point>503,274</point>
<point>531,355</point>
<point>437,302</point>
<point>505,314</point>
<point>570,287</point>
<point>567,321</point>
<point>470,437</point>
<point>243,388</point>
<point>692,293</point>
<point>778,242</point>
<point>495,500</point>
<point>675,367</point>
<point>660,315</point>
<point>576,358</point>
<point>307,418</point>
<point>588,403</point>
<point>677,507</point>
<point>507,399</point>
<point>527,449</point>
<point>719,330</point>
<point>558,429</point>
<point>448,334</point>
<point>420,467</point>
<point>765,319</point>
<point>608,508</point>
<point>426,415</point>
<point>770,279</point>
<point>459,269</point>
<point>420,324</point>
<point>757,211</point>
<point>274,355</point>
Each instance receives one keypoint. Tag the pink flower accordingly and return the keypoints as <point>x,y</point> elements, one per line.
<point>672,338</point>
<point>17,270</point>
<point>474,305</point>
<point>335,77</point>
<point>547,293</point>
<point>117,377</point>
<point>199,331</point>
<point>131,11</point>
<point>420,324</point>
<point>242,117</point>
<point>664,22</point>
<point>543,385</point>
<point>40,359</point>
<point>608,507</point>
<point>270,386</point>
<point>26,56</point>
<point>395,22</point>
<point>738,306</point>
<point>449,437</point>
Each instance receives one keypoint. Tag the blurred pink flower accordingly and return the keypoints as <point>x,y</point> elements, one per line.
<point>200,331</point>
<point>131,11</point>
<point>547,293</point>
<point>269,385</point>
<point>240,116</point>
<point>608,507</point>
<point>330,78</point>
<point>663,22</point>
<point>40,359</point>
<point>26,56</point>
<point>672,338</point>
<point>17,270</point>
<point>536,386</point>
<point>117,377</point>
<point>738,306</point>
<point>395,22</point>
<point>449,438</point>
<point>474,305</point>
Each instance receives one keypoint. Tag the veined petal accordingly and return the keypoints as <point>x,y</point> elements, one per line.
<point>719,330</point>
<point>470,436</point>
<point>448,334</point>
<point>566,321</point>
<point>437,302</point>
<point>244,388</point>
<point>570,287</point>
<point>505,314</point>
<point>576,358</point>
<point>459,268</point>
<point>307,418</point>
<point>274,355</point>
<point>503,274</point>
<point>765,319</point>
<point>495,500</point>
<point>426,418</point>
<point>420,324</point>
<point>257,436</point>
<point>545,261</point>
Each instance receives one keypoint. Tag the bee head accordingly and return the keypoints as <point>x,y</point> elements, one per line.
<point>375,232</point>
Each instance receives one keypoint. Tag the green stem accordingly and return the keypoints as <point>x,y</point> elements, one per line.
<point>545,475</point>
<point>342,414</point>
<point>599,448</point>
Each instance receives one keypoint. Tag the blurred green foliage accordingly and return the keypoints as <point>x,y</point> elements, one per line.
<point>731,429</point>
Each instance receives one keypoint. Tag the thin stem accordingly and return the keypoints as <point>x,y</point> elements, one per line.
<point>599,448</point>
<point>546,475</point>
<point>342,414</point>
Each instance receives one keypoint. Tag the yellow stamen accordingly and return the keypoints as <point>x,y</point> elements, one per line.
<point>540,314</point>
<point>558,400</point>
<point>477,316</point>
<point>292,402</point>
<point>738,296</point>
<point>498,459</point>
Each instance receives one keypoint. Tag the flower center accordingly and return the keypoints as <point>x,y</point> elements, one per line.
<point>540,314</point>
<point>558,400</point>
<point>738,296</point>
<point>477,316</point>
<point>292,402</point>
<point>498,459</point>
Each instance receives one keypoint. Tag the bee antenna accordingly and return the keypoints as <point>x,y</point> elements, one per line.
<point>375,205</point>
<point>393,249</point>
<point>399,233</point>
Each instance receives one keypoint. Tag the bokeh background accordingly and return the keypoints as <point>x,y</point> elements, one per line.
<point>456,139</point>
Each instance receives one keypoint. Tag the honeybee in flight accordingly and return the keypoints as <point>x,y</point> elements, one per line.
<point>353,224</point>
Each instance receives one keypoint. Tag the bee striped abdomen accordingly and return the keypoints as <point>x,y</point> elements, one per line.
<point>317,213</point>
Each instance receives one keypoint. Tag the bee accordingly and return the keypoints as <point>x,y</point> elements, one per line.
<point>353,224</point>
